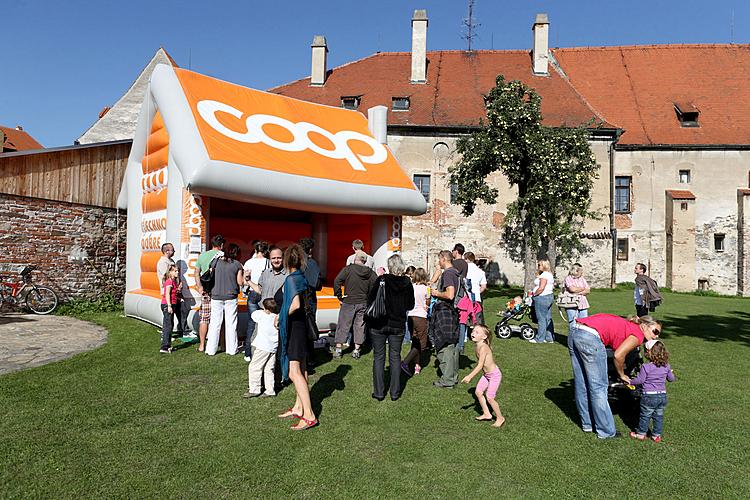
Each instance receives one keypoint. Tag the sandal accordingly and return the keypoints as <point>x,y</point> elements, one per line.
<point>309,424</point>
<point>289,414</point>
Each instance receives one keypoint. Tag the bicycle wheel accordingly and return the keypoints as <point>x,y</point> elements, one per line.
<point>41,300</point>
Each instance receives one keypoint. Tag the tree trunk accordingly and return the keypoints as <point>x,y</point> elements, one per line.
<point>552,254</point>
<point>529,267</point>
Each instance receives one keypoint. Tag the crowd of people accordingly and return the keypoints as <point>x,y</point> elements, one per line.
<point>385,306</point>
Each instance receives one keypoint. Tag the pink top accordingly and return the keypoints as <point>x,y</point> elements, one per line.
<point>420,302</point>
<point>581,282</point>
<point>613,330</point>
<point>468,309</point>
<point>173,292</point>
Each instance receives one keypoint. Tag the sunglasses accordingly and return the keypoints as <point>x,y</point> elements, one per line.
<point>656,331</point>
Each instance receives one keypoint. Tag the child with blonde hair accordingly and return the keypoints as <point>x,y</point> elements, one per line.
<point>491,378</point>
<point>653,378</point>
<point>169,300</point>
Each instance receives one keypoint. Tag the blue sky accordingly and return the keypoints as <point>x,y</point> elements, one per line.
<point>64,60</point>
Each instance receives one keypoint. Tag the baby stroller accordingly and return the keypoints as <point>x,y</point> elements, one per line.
<point>504,329</point>
<point>618,390</point>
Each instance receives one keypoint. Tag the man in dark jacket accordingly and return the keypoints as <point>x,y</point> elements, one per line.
<point>646,295</point>
<point>358,280</point>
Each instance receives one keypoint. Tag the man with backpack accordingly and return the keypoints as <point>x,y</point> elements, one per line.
<point>444,321</point>
<point>205,265</point>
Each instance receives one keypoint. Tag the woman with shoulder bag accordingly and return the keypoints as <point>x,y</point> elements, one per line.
<point>293,340</point>
<point>399,300</point>
<point>577,288</point>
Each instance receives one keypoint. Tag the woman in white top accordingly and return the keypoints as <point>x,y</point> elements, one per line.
<point>576,284</point>
<point>417,319</point>
<point>543,297</point>
<point>253,267</point>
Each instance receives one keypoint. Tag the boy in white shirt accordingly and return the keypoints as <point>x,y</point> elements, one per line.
<point>264,357</point>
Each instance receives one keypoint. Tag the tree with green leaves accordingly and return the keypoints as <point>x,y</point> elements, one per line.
<point>552,168</point>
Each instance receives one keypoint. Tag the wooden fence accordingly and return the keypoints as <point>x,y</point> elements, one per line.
<point>86,174</point>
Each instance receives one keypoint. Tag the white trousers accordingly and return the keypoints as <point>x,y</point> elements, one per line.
<point>221,310</point>
<point>263,363</point>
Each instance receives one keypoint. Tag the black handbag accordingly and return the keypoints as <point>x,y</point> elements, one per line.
<point>376,311</point>
<point>311,323</point>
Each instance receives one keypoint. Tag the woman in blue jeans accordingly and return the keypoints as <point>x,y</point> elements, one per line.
<point>587,342</point>
<point>543,297</point>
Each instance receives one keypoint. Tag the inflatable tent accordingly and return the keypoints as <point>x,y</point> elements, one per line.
<point>210,157</point>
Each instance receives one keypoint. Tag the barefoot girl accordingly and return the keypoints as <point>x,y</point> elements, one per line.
<point>490,381</point>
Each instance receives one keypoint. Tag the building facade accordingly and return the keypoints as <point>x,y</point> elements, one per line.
<point>668,126</point>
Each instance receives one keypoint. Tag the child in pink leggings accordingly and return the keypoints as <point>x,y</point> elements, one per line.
<point>491,379</point>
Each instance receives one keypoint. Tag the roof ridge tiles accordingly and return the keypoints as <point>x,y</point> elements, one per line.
<point>653,46</point>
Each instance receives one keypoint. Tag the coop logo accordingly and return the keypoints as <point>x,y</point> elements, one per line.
<point>300,132</point>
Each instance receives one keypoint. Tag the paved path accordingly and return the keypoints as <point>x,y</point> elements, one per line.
<point>28,340</point>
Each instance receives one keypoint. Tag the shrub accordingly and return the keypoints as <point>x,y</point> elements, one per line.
<point>76,307</point>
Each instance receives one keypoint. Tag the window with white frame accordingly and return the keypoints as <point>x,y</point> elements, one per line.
<point>422,182</point>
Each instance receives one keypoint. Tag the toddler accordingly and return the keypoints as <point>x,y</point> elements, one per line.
<point>513,306</point>
<point>491,379</point>
<point>264,356</point>
<point>653,378</point>
<point>168,301</point>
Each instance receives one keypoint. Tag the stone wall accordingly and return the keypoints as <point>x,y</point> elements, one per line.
<point>444,225</point>
<point>79,249</point>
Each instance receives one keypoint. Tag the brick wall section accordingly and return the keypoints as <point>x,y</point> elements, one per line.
<point>75,247</point>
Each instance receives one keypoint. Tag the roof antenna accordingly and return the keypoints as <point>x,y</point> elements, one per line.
<point>469,26</point>
<point>731,29</point>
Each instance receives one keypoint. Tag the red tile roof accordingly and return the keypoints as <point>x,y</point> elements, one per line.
<point>18,140</point>
<point>680,194</point>
<point>631,87</point>
<point>453,94</point>
<point>636,88</point>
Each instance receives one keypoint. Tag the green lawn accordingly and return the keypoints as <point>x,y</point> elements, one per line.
<point>124,421</point>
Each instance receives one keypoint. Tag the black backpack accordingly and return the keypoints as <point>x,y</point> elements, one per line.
<point>208,278</point>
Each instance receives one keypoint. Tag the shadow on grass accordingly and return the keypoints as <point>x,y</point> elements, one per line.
<point>508,291</point>
<point>627,408</point>
<point>563,397</point>
<point>327,385</point>
<point>733,327</point>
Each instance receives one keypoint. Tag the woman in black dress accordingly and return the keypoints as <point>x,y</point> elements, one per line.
<point>293,338</point>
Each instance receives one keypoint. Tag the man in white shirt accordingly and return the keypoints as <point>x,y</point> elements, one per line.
<point>254,267</point>
<point>357,246</point>
<point>477,279</point>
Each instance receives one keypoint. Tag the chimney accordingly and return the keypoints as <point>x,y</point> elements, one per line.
<point>377,122</point>
<point>19,128</point>
<point>319,59</point>
<point>419,46</point>
<point>541,44</point>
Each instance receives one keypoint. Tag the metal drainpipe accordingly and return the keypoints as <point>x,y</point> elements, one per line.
<point>612,228</point>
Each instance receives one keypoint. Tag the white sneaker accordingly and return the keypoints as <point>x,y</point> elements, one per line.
<point>248,359</point>
<point>343,346</point>
<point>190,335</point>
<point>533,341</point>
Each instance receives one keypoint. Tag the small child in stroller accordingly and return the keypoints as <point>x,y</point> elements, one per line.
<point>513,307</point>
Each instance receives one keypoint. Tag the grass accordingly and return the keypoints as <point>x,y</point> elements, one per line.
<point>123,421</point>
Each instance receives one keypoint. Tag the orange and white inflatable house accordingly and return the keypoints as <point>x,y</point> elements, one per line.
<point>211,157</point>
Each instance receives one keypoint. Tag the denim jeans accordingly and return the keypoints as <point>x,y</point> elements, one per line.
<point>574,314</point>
<point>166,327</point>
<point>545,328</point>
<point>652,407</point>
<point>462,329</point>
<point>589,358</point>
<point>251,308</point>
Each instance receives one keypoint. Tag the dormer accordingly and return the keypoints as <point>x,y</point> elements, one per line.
<point>687,113</point>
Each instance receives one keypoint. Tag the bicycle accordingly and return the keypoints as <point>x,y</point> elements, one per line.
<point>23,291</point>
